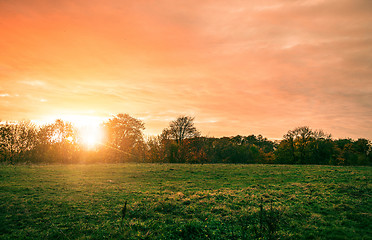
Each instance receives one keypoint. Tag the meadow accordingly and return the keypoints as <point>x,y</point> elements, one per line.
<point>184,201</point>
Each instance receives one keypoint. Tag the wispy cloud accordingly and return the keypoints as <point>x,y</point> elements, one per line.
<point>240,67</point>
<point>33,83</point>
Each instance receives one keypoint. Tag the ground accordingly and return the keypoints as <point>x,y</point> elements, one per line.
<point>180,201</point>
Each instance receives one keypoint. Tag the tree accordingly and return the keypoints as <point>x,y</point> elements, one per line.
<point>363,148</point>
<point>305,146</point>
<point>155,149</point>
<point>182,128</point>
<point>321,148</point>
<point>124,137</point>
<point>286,151</point>
<point>302,135</point>
<point>352,152</point>
<point>16,140</point>
<point>57,132</point>
<point>57,142</point>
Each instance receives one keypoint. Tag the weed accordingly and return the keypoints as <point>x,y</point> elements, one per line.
<point>123,212</point>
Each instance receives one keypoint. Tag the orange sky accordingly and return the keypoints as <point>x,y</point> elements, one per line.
<point>240,67</point>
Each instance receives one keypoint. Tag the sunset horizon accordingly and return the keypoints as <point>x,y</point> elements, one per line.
<point>239,68</point>
<point>185,119</point>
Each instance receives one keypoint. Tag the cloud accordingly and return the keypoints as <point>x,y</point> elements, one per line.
<point>33,83</point>
<point>239,67</point>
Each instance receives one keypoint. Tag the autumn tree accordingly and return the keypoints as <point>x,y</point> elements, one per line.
<point>363,147</point>
<point>57,142</point>
<point>17,140</point>
<point>124,138</point>
<point>305,146</point>
<point>321,148</point>
<point>154,151</point>
<point>350,152</point>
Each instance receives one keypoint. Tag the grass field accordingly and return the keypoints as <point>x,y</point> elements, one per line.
<point>185,202</point>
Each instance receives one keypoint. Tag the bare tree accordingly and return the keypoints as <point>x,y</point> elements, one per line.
<point>182,128</point>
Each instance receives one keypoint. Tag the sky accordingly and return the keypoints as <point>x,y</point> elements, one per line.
<point>239,67</point>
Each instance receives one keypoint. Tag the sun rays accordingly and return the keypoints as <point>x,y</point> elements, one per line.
<point>89,133</point>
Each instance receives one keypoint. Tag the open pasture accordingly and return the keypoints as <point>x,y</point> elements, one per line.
<point>179,201</point>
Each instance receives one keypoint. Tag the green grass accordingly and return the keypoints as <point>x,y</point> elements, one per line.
<point>185,202</point>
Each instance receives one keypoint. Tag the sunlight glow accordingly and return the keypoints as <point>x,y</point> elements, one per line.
<point>57,137</point>
<point>90,133</point>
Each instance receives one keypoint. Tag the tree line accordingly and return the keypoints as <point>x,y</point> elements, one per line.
<point>180,142</point>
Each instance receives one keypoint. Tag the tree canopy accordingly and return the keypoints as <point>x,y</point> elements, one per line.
<point>124,136</point>
<point>180,142</point>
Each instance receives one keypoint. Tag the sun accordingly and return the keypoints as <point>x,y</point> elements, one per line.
<point>90,135</point>
<point>89,130</point>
